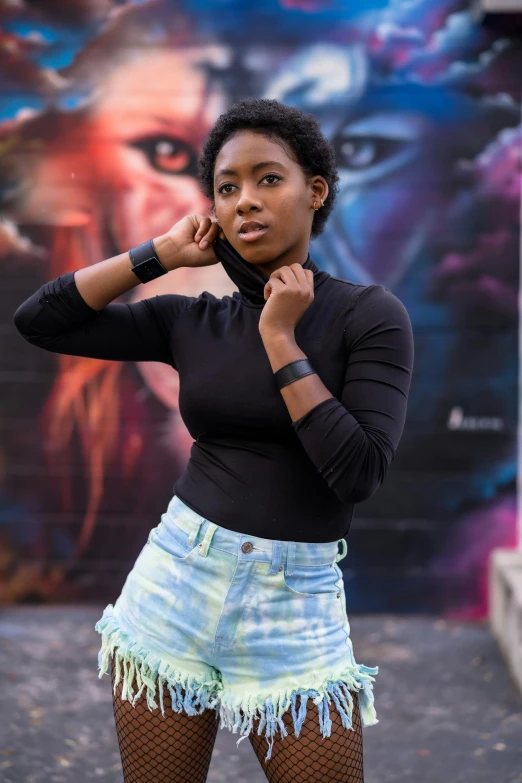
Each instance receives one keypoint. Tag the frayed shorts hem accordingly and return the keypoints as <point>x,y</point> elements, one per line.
<point>194,691</point>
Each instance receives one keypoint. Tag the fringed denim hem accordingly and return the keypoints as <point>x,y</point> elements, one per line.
<point>194,694</point>
<point>240,714</point>
<point>188,692</point>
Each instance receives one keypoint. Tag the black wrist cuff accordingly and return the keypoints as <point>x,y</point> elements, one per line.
<point>292,372</point>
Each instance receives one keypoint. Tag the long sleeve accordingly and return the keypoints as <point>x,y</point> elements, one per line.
<point>57,318</point>
<point>352,441</point>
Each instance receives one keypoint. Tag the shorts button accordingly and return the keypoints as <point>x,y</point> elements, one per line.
<point>280,567</point>
<point>247,546</point>
<point>338,595</point>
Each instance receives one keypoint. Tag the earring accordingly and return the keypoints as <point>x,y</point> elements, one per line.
<point>316,208</point>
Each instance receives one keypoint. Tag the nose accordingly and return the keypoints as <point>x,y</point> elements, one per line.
<point>247,201</point>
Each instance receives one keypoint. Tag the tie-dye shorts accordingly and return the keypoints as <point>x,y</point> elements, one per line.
<point>235,623</point>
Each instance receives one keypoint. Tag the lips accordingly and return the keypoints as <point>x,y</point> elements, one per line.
<point>252,231</point>
<point>250,225</point>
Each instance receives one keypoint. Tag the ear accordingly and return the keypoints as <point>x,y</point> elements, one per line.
<point>319,188</point>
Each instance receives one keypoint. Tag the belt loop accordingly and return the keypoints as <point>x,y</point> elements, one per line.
<point>276,557</point>
<point>207,538</point>
<point>290,560</point>
<point>340,556</point>
<point>194,534</point>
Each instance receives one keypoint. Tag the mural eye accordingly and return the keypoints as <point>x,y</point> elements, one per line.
<point>168,155</point>
<point>362,152</point>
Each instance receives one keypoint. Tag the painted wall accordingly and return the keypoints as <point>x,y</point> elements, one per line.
<point>104,107</point>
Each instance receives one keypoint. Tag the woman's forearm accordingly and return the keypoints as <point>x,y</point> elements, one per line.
<point>101,283</point>
<point>303,394</point>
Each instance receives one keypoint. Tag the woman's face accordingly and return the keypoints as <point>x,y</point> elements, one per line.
<point>256,179</point>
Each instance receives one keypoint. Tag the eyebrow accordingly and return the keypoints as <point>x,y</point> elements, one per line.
<point>254,168</point>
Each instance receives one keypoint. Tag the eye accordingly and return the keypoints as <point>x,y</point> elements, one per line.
<point>362,152</point>
<point>229,185</point>
<point>168,154</point>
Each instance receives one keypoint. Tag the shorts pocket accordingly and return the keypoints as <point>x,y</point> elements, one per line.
<point>314,581</point>
<point>172,541</point>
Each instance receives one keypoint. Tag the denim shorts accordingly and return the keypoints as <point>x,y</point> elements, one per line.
<point>236,623</point>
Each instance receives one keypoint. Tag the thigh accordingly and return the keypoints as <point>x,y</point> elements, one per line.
<point>312,758</point>
<point>175,747</point>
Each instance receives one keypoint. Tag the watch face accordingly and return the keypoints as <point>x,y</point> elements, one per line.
<point>149,269</point>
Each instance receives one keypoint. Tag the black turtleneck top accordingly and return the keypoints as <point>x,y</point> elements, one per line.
<point>251,469</point>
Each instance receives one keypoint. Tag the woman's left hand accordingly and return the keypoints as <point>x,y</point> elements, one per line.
<point>289,293</point>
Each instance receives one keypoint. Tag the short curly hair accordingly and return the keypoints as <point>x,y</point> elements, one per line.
<point>300,133</point>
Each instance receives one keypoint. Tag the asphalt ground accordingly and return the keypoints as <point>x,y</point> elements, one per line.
<point>448,710</point>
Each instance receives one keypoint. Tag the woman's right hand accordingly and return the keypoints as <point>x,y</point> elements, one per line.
<point>187,237</point>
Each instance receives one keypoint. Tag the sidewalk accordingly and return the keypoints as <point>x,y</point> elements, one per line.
<point>448,711</point>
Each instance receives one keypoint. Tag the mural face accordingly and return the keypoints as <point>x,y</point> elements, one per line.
<point>102,121</point>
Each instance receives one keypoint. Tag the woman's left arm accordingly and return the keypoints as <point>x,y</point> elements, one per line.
<point>352,441</point>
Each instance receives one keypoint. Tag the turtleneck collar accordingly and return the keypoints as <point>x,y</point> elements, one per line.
<point>248,278</point>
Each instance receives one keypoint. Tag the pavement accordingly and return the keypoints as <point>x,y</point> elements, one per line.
<point>448,710</point>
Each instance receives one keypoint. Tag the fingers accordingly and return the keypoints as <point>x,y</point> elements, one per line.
<point>304,276</point>
<point>300,273</point>
<point>285,275</point>
<point>294,274</point>
<point>207,232</point>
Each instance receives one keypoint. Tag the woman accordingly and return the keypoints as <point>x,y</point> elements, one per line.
<point>295,390</point>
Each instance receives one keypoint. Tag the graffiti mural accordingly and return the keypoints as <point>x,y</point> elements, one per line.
<point>103,112</point>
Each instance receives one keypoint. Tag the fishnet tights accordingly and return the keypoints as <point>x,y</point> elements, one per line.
<point>154,749</point>
<point>310,757</point>
<point>177,748</point>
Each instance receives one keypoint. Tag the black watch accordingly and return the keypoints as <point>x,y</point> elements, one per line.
<point>145,262</point>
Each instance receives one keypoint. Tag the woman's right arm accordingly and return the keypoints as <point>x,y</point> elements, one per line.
<point>101,283</point>
<point>72,314</point>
